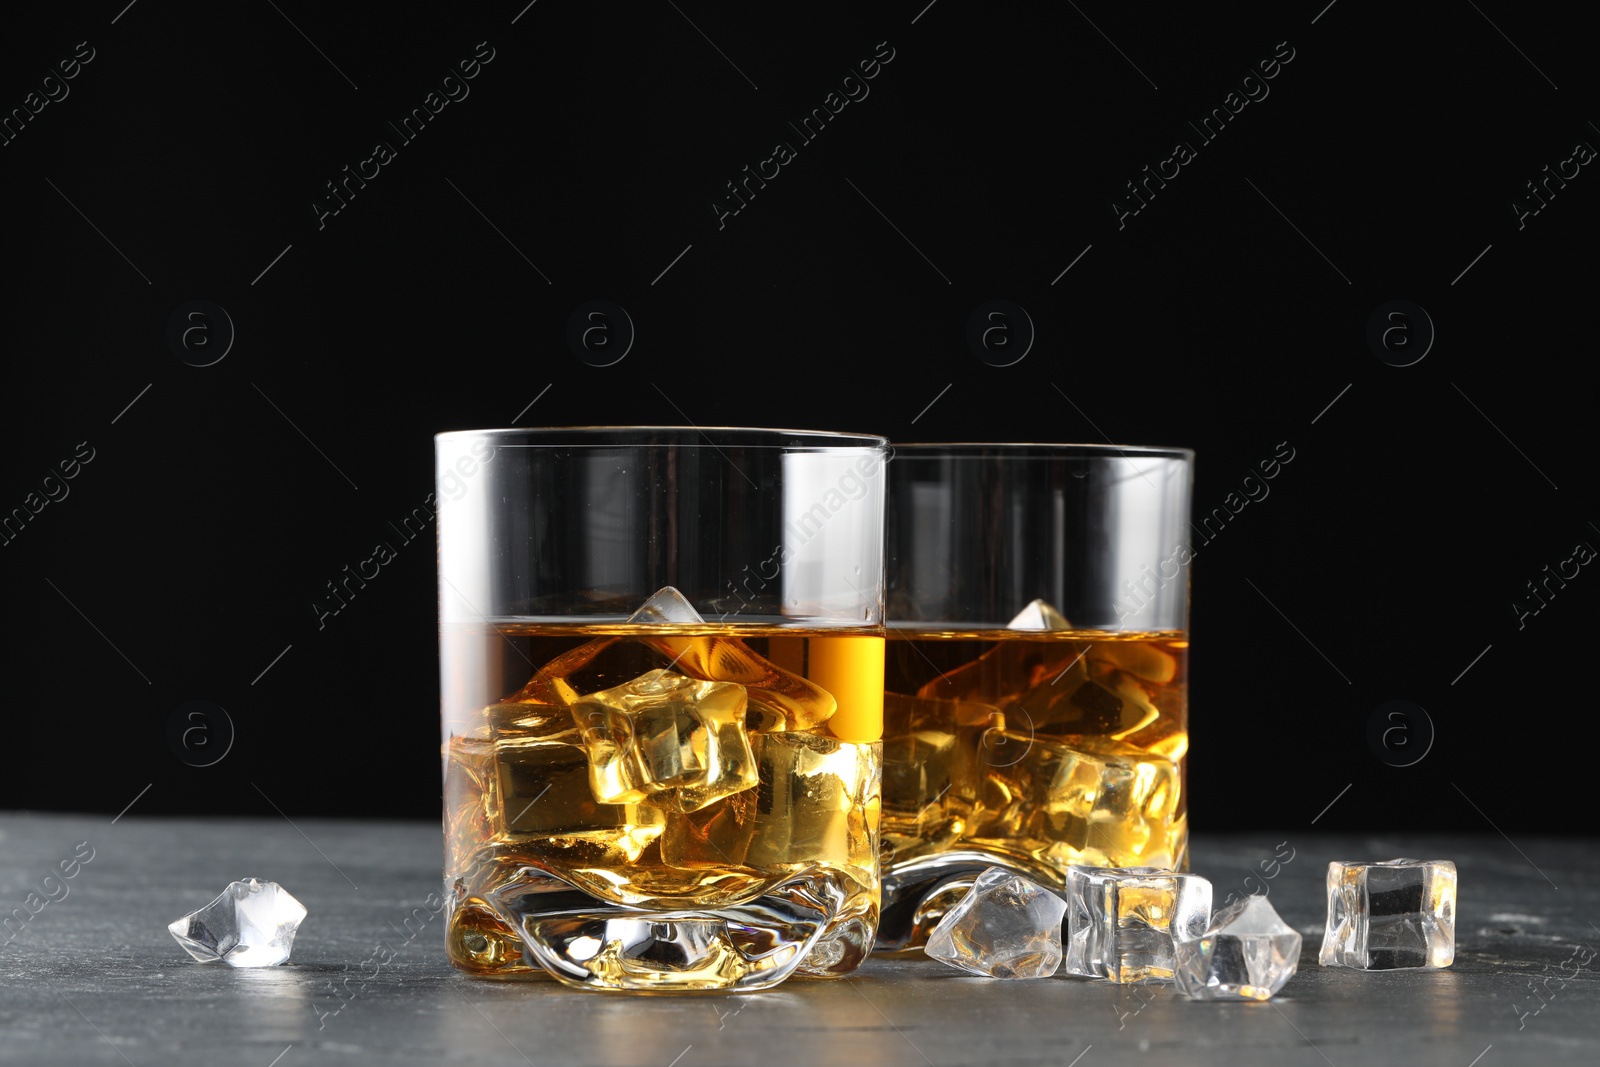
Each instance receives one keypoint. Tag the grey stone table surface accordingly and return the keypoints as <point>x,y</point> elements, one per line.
<point>90,975</point>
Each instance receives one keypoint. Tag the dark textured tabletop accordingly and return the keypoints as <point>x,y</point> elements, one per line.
<point>93,977</point>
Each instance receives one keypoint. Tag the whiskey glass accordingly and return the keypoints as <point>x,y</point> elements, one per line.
<point>1036,673</point>
<point>661,661</point>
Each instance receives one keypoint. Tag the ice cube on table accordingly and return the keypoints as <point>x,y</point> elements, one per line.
<point>1005,927</point>
<point>667,741</point>
<point>250,924</point>
<point>1123,923</point>
<point>1390,914</point>
<point>1247,953</point>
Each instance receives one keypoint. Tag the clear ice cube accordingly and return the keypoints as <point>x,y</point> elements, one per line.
<point>1005,927</point>
<point>1390,914</point>
<point>1039,615</point>
<point>250,924</point>
<point>666,740</point>
<point>1247,953</point>
<point>1123,923</point>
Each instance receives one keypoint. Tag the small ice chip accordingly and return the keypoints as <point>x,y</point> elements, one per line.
<point>250,924</point>
<point>1005,927</point>
<point>1247,953</point>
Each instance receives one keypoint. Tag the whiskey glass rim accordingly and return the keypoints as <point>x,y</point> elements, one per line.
<point>1043,449</point>
<point>658,436</point>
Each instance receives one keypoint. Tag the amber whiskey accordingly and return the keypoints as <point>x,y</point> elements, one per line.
<point>1041,749</point>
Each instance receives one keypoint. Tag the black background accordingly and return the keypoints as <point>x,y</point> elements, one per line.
<point>1226,316</point>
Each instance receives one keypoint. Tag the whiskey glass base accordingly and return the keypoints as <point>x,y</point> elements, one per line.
<point>819,924</point>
